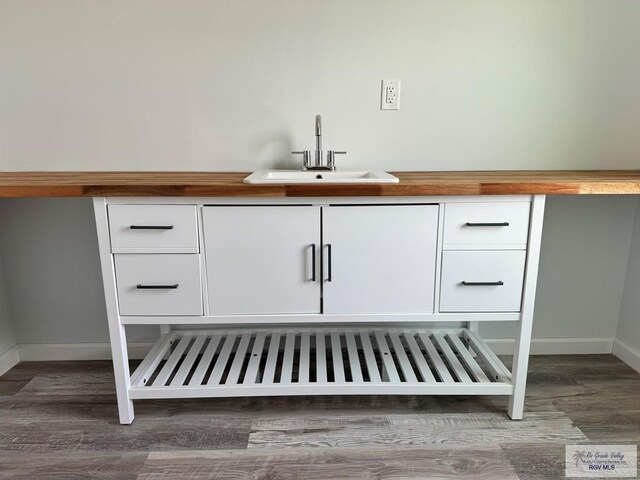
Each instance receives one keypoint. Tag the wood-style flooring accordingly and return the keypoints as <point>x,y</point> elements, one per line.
<point>58,420</point>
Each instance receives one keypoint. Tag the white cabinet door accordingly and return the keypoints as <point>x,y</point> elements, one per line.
<point>260,260</point>
<point>379,259</point>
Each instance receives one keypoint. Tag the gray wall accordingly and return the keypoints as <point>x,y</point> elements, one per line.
<point>629,326</point>
<point>8,336</point>
<point>49,251</point>
<point>583,263</point>
<point>50,260</point>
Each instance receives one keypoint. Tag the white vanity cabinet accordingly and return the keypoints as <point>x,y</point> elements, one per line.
<point>319,296</point>
<point>278,260</point>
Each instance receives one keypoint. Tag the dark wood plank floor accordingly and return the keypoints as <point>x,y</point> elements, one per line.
<point>58,420</point>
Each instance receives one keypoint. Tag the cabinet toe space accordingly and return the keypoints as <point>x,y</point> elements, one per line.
<point>344,361</point>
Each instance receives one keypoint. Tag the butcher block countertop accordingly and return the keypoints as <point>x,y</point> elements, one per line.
<point>212,184</point>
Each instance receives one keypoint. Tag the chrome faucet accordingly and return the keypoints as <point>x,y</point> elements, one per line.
<point>318,165</point>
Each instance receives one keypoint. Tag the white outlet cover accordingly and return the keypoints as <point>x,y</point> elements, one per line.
<point>390,95</point>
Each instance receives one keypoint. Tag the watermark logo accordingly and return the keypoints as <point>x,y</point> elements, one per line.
<point>601,461</point>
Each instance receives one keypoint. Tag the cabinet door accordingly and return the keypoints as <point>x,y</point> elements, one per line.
<point>379,259</point>
<point>260,260</point>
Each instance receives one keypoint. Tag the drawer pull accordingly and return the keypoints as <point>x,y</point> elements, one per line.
<point>482,284</point>
<point>140,286</point>
<point>313,262</point>
<point>151,227</point>
<point>488,224</point>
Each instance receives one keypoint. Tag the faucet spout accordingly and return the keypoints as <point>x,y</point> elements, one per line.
<point>318,140</point>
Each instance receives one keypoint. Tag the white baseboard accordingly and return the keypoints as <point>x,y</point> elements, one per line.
<point>38,352</point>
<point>102,351</point>
<point>628,354</point>
<point>555,346</point>
<point>9,359</point>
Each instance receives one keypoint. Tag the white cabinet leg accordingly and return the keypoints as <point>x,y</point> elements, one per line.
<point>523,340</point>
<point>519,372</point>
<point>121,373</point>
<point>117,334</point>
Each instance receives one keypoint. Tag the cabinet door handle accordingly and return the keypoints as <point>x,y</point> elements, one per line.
<point>313,262</point>
<point>487,224</point>
<point>141,286</point>
<point>482,284</point>
<point>151,227</point>
<point>328,262</point>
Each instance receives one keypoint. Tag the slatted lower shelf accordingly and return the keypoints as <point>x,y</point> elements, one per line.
<point>346,361</point>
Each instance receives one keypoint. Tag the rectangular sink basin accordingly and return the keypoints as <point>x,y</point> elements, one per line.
<point>319,177</point>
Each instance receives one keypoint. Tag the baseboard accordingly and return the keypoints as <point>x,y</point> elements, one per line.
<point>9,359</point>
<point>628,354</point>
<point>38,352</point>
<point>102,351</point>
<point>555,346</point>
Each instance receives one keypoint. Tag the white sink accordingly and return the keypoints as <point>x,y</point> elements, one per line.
<point>319,176</point>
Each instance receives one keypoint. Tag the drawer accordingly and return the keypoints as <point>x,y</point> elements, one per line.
<point>483,224</point>
<point>158,284</point>
<point>489,281</point>
<point>153,228</point>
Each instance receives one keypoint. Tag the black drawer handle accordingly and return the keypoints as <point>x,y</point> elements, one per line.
<point>487,224</point>
<point>140,286</point>
<point>151,227</point>
<point>483,284</point>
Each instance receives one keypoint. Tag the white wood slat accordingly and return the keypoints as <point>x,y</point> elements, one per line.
<point>221,362</point>
<point>251,377</point>
<point>272,358</point>
<point>171,363</point>
<point>321,359</point>
<point>152,360</point>
<point>370,358</point>
<point>493,364</point>
<point>238,360</point>
<point>401,355</point>
<point>205,361</point>
<point>441,368</point>
<point>303,372</point>
<point>336,356</point>
<point>385,354</point>
<point>418,357</point>
<point>354,360</point>
<point>452,360</point>
<point>189,360</point>
<point>476,371</point>
<point>287,359</point>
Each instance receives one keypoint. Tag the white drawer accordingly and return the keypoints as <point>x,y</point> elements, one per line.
<point>153,228</point>
<point>158,284</point>
<point>489,281</point>
<point>484,224</point>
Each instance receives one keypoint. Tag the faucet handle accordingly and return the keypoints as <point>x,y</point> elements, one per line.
<point>331,158</point>
<point>306,158</point>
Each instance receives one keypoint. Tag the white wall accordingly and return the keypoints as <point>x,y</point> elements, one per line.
<point>230,85</point>
<point>234,85</point>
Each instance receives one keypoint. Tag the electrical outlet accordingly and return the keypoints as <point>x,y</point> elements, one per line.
<point>390,96</point>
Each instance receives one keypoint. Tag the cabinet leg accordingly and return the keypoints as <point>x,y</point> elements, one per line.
<point>519,373</point>
<point>523,340</point>
<point>117,333</point>
<point>121,373</point>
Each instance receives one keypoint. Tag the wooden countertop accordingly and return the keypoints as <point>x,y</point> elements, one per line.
<point>204,184</point>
